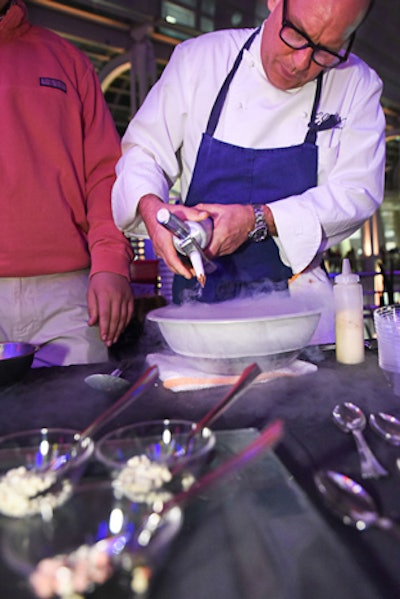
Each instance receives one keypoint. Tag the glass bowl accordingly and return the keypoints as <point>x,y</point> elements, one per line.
<point>39,469</point>
<point>153,456</point>
<point>93,542</point>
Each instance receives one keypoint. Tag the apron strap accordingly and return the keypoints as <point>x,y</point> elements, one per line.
<point>220,100</point>
<point>327,121</point>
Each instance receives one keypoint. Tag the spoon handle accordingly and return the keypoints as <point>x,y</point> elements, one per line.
<point>247,377</point>
<point>116,372</point>
<point>370,467</point>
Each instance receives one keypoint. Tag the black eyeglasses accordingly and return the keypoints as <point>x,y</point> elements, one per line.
<point>298,40</point>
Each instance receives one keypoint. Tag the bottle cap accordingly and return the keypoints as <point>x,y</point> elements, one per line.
<point>346,277</point>
<point>163,216</point>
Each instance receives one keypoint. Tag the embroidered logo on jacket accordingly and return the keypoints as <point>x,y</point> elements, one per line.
<point>323,122</point>
<point>56,83</point>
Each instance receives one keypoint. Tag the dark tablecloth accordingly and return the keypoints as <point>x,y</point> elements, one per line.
<point>60,397</point>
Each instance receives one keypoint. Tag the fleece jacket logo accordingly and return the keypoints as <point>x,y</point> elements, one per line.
<point>56,83</point>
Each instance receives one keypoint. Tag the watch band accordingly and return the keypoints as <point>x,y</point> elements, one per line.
<point>260,231</point>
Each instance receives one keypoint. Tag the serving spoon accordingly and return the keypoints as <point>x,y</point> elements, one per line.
<point>352,503</point>
<point>351,419</point>
<point>386,426</point>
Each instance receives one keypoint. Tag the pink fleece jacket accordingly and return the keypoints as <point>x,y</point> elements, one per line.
<point>58,149</point>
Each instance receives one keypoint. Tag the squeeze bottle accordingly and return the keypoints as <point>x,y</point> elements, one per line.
<point>349,319</point>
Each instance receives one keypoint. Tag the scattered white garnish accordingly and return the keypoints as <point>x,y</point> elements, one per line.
<point>141,479</point>
<point>18,490</point>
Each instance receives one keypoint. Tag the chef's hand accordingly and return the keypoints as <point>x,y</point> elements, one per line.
<point>232,224</point>
<point>161,238</point>
<point>110,304</point>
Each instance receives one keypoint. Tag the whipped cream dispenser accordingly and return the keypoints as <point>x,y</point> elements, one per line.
<point>190,238</point>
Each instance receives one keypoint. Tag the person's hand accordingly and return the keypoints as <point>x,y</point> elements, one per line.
<point>161,238</point>
<point>232,223</point>
<point>110,304</point>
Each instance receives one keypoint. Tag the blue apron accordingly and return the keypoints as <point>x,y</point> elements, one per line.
<point>228,174</point>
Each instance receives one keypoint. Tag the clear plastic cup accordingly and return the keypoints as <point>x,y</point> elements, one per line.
<point>387,328</point>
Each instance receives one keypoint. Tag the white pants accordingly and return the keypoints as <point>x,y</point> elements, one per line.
<point>51,310</point>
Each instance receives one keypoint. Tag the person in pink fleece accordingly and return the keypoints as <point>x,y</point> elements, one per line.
<point>64,266</point>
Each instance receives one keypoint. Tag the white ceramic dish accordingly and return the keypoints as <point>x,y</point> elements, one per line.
<point>225,337</point>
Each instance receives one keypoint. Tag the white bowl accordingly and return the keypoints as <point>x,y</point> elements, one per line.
<point>226,336</point>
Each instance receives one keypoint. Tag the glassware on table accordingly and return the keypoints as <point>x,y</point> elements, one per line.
<point>30,464</point>
<point>387,328</point>
<point>155,456</point>
<point>90,542</point>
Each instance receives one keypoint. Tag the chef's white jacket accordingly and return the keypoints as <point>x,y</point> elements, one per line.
<point>162,140</point>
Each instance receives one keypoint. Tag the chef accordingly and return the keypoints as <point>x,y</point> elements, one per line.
<point>276,133</point>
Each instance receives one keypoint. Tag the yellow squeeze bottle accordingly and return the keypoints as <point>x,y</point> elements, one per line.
<point>349,318</point>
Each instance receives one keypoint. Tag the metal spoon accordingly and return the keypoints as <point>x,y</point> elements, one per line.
<point>108,382</point>
<point>246,378</point>
<point>351,419</point>
<point>386,426</point>
<point>352,503</point>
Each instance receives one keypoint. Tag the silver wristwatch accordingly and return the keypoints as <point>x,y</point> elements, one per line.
<point>260,231</point>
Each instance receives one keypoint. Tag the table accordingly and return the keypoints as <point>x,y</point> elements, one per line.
<point>250,539</point>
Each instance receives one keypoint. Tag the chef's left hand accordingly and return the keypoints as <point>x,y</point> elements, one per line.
<point>232,223</point>
<point>110,304</point>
